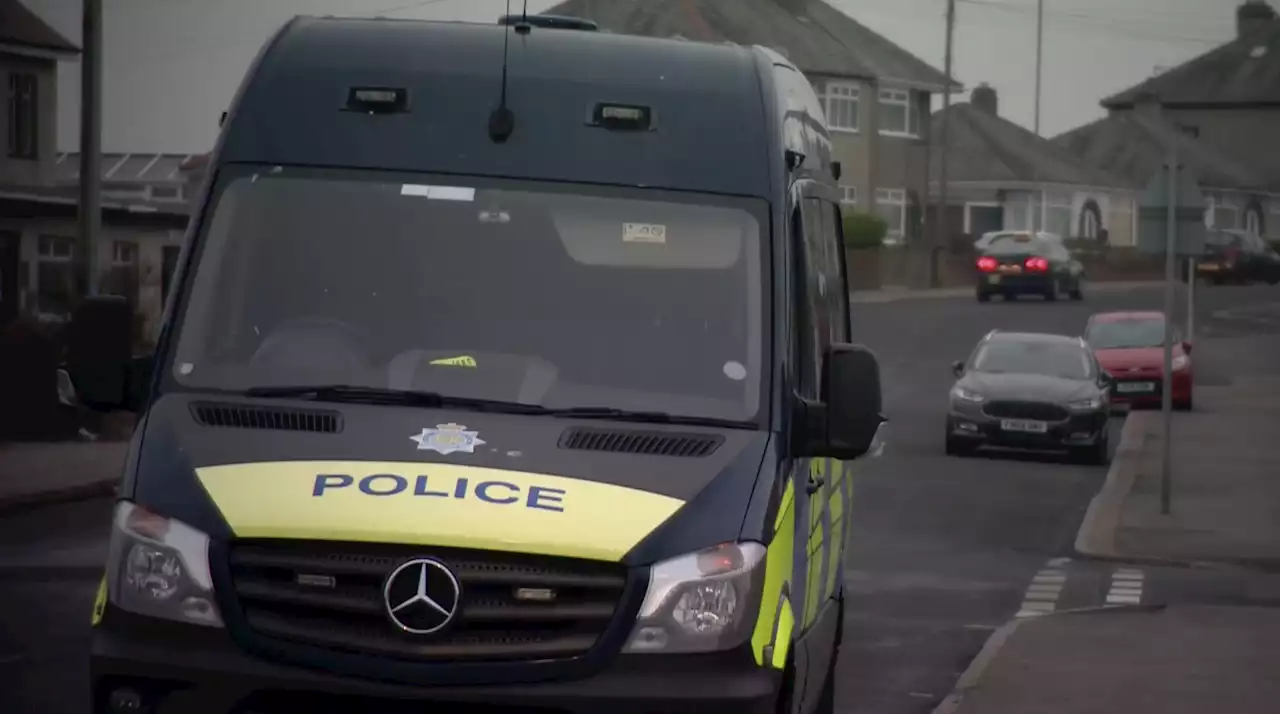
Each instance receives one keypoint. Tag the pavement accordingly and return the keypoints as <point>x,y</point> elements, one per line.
<point>1209,645</point>
<point>1184,660</point>
<point>944,552</point>
<point>36,474</point>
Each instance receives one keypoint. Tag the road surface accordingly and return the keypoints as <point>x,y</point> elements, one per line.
<point>944,550</point>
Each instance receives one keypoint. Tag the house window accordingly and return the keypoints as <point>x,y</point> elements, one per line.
<point>896,115</point>
<point>55,275</point>
<point>891,205</point>
<point>166,193</point>
<point>122,278</point>
<point>124,252</point>
<point>849,195</point>
<point>23,116</point>
<point>1058,215</point>
<point>1225,215</point>
<point>841,102</point>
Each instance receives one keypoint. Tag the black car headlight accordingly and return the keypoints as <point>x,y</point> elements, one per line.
<point>700,602</point>
<point>159,567</point>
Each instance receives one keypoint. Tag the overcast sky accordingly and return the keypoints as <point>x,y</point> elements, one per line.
<point>171,66</point>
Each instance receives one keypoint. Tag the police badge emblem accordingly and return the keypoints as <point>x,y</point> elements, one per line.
<point>448,439</point>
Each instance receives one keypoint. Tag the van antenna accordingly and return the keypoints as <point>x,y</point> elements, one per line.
<point>503,121</point>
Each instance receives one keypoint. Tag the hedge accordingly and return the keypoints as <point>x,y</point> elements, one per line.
<point>864,230</point>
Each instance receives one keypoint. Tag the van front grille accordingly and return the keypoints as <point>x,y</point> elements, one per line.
<point>513,607</point>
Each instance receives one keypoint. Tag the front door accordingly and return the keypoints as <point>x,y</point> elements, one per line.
<point>9,266</point>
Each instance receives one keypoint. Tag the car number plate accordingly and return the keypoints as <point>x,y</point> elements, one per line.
<point>993,279</point>
<point>1024,425</point>
<point>1131,387</point>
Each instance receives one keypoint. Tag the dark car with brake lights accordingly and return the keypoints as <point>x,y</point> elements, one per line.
<point>1130,347</point>
<point>1235,257</point>
<point>1030,391</point>
<point>1016,264</point>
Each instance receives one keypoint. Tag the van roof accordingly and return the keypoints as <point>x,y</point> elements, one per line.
<point>707,102</point>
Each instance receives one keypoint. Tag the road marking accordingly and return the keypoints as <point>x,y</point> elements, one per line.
<point>1046,587</point>
<point>1126,587</point>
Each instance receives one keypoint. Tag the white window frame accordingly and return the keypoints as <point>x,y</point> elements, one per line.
<point>45,253</point>
<point>117,251</point>
<point>842,92</point>
<point>848,195</point>
<point>894,197</point>
<point>152,193</point>
<point>1252,222</point>
<point>1087,219</point>
<point>904,99</point>
<point>968,216</point>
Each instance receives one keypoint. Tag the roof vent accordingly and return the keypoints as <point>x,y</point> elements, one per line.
<point>243,416</point>
<point>984,98</point>
<point>1253,15</point>
<point>655,443</point>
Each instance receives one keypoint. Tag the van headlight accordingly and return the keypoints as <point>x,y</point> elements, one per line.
<point>159,567</point>
<point>701,602</point>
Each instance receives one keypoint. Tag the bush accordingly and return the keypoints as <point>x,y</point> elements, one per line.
<point>864,230</point>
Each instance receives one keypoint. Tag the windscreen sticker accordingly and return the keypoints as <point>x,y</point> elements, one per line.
<point>439,193</point>
<point>735,371</point>
<point>448,439</point>
<point>462,361</point>
<point>644,233</point>
<point>435,504</point>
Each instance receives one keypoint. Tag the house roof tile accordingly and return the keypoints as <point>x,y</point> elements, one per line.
<point>817,37</point>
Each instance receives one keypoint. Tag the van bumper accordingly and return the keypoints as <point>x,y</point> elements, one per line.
<point>166,669</point>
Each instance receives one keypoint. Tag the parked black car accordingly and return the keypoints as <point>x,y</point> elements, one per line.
<point>1031,391</point>
<point>1017,264</point>
<point>1238,257</point>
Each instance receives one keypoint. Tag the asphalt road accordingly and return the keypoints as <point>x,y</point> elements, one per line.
<point>944,550</point>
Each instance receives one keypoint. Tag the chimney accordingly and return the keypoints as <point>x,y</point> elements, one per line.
<point>1252,15</point>
<point>984,99</point>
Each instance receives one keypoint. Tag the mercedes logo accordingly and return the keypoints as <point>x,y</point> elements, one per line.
<point>421,596</point>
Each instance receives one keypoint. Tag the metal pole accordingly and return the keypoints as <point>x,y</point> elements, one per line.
<point>1191,299</point>
<point>91,143</point>
<point>944,230</point>
<point>1170,278</point>
<point>1039,58</point>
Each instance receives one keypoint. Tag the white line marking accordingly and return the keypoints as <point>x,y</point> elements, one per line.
<point>1126,587</point>
<point>1041,596</point>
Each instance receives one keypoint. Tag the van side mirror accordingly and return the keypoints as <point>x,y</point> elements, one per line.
<point>103,371</point>
<point>851,401</point>
<point>957,368</point>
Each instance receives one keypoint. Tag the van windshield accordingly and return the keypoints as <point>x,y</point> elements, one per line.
<point>545,294</point>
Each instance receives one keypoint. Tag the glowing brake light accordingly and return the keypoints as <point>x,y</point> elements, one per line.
<point>987,264</point>
<point>1037,264</point>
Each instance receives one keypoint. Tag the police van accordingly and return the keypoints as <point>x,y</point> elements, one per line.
<point>507,369</point>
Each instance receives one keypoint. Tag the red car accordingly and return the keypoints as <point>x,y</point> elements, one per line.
<point>1130,347</point>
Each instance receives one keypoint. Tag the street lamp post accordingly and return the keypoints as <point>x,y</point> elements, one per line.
<point>91,144</point>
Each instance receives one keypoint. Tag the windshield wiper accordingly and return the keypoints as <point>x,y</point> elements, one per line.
<point>435,400</point>
<point>646,417</point>
<point>379,395</point>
